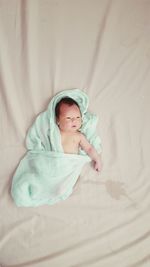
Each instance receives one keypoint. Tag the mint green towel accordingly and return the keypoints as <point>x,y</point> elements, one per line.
<point>46,174</point>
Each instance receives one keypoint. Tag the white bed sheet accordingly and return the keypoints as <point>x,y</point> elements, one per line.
<point>102,47</point>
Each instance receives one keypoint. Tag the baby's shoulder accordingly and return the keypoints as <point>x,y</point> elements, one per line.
<point>80,135</point>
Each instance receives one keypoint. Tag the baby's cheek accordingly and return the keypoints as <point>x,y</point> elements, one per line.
<point>67,123</point>
<point>80,123</point>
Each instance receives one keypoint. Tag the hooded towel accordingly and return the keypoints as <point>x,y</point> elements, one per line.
<point>46,174</point>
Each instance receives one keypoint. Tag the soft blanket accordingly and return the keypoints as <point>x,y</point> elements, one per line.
<point>46,174</point>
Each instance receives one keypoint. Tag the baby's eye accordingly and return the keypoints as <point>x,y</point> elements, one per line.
<point>78,117</point>
<point>68,118</point>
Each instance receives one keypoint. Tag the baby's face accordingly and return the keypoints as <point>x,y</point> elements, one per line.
<point>69,118</point>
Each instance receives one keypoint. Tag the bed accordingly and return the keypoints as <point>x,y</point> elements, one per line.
<point>101,47</point>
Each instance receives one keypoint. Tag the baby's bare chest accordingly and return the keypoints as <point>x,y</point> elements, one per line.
<point>70,144</point>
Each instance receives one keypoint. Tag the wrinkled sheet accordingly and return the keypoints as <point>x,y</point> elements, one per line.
<point>103,48</point>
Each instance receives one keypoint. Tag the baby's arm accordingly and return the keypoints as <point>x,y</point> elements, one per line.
<point>91,151</point>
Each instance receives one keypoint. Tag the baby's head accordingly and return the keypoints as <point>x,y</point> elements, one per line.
<point>68,115</point>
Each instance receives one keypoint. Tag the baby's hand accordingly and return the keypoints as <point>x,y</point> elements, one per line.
<point>97,165</point>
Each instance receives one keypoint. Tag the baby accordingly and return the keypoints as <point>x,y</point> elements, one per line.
<point>69,120</point>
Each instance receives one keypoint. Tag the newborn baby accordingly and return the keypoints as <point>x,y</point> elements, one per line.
<point>69,120</point>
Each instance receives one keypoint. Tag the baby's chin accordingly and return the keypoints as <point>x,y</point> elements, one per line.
<point>72,129</point>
